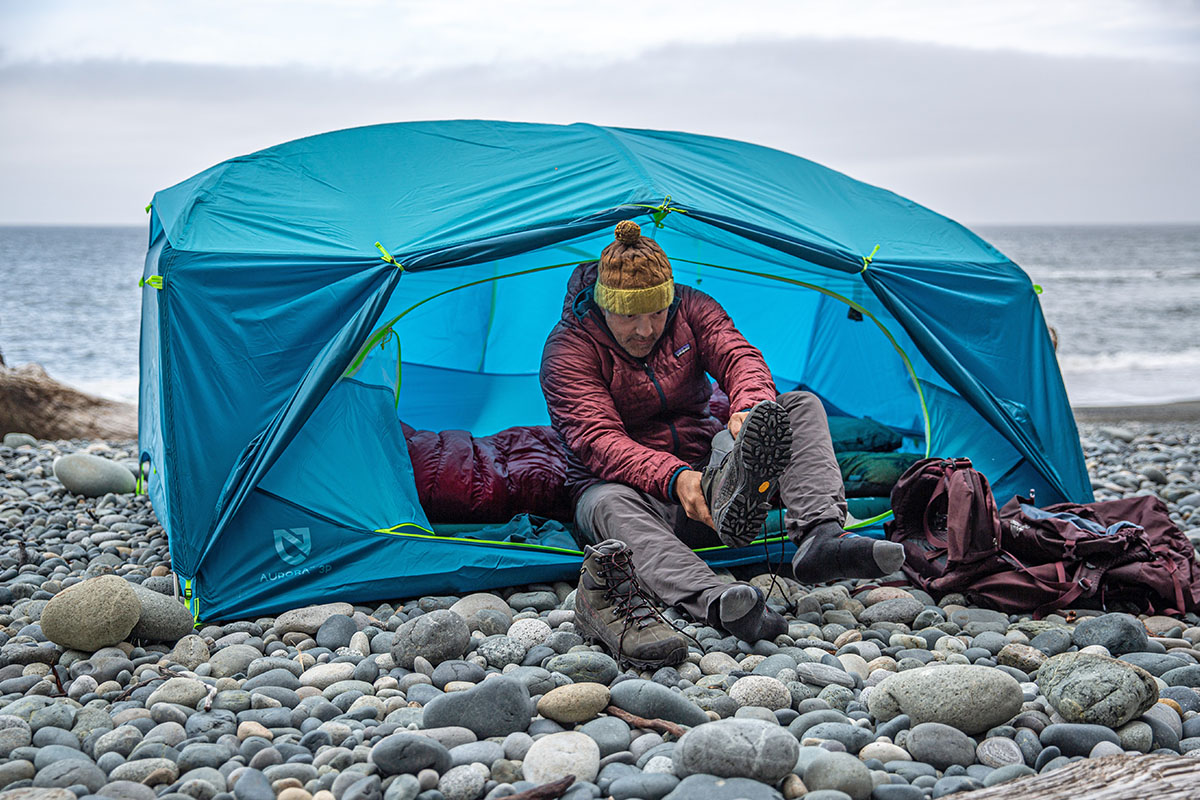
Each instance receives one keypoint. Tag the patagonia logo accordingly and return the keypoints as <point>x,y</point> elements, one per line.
<point>683,350</point>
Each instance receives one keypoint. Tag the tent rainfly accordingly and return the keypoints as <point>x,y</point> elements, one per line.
<point>281,346</point>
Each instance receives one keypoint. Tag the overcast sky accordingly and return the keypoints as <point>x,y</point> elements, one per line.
<point>1012,111</point>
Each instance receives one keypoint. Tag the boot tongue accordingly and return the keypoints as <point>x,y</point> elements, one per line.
<point>608,547</point>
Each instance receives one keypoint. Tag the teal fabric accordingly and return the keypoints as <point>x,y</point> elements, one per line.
<point>852,433</point>
<point>272,284</point>
<point>870,474</point>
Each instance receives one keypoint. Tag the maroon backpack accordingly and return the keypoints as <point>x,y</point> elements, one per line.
<point>944,515</point>
<point>1124,554</point>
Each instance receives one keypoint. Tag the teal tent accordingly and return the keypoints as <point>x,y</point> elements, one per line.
<point>281,346</point>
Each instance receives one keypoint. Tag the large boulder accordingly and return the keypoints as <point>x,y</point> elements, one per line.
<point>93,476</point>
<point>1094,689</point>
<point>965,696</point>
<point>92,614</point>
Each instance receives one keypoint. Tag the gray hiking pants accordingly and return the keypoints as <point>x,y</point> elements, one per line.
<point>662,536</point>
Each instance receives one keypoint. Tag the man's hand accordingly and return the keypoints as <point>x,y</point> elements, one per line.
<point>687,489</point>
<point>735,422</point>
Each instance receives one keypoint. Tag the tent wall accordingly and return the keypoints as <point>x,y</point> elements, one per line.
<point>272,283</point>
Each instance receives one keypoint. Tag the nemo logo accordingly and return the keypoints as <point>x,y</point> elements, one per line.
<point>293,545</point>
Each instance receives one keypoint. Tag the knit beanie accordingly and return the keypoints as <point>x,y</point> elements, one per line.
<point>635,275</point>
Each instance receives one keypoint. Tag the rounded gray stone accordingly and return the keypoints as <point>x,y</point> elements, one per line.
<point>162,617</point>
<point>92,476</point>
<point>966,696</point>
<point>899,609</point>
<point>70,772</point>
<point>710,787</point>
<point>655,701</point>
<point>92,614</point>
<point>839,772</point>
<point>309,619</point>
<point>585,666</point>
<point>180,691</point>
<point>497,707</point>
<point>1095,689</point>
<point>437,636</point>
<point>14,732</point>
<point>738,748</point>
<point>940,745</point>
<point>232,660</point>
<point>408,753</point>
<point>17,439</point>
<point>1119,633</point>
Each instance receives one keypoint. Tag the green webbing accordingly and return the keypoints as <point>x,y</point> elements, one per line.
<point>868,259</point>
<point>431,535</point>
<point>154,281</point>
<point>148,207</point>
<point>192,602</point>
<point>386,256</point>
<point>660,211</point>
<point>1037,289</point>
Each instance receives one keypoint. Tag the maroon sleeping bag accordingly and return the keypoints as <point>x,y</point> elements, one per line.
<point>461,478</point>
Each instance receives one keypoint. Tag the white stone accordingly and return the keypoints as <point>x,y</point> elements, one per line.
<point>561,754</point>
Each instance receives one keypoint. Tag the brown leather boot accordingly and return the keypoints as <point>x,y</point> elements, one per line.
<point>610,608</point>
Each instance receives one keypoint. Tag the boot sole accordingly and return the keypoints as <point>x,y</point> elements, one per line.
<point>591,636</point>
<point>760,454</point>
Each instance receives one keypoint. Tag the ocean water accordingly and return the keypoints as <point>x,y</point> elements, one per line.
<point>1125,301</point>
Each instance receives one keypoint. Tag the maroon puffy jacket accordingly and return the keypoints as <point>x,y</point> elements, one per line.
<point>638,421</point>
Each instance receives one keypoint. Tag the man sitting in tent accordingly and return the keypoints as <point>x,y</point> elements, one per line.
<point>653,473</point>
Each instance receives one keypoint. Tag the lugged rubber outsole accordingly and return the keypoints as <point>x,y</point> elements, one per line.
<point>763,447</point>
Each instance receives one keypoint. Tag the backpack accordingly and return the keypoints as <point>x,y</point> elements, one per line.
<point>1121,554</point>
<point>945,516</point>
<point>1129,548</point>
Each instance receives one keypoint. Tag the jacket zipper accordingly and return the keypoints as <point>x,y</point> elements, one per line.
<point>662,396</point>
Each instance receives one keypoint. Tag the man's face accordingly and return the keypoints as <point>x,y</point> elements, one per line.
<point>636,333</point>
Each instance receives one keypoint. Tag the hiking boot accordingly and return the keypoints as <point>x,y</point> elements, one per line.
<point>829,553</point>
<point>739,490</point>
<point>743,611</point>
<point>612,609</point>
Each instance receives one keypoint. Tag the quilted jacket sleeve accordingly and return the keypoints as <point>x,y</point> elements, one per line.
<point>582,410</point>
<point>725,354</point>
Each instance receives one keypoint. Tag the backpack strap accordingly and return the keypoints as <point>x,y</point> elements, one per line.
<point>1069,589</point>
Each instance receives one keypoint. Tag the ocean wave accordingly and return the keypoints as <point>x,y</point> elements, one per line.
<point>1052,274</point>
<point>1131,361</point>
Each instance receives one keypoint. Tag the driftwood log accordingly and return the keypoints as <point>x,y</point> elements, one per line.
<point>1120,777</point>
<point>32,402</point>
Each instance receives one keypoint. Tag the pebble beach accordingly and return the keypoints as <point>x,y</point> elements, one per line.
<point>878,692</point>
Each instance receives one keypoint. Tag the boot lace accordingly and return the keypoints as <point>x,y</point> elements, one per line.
<point>629,599</point>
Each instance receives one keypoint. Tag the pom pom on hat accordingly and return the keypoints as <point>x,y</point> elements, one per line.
<point>628,231</point>
<point>634,275</point>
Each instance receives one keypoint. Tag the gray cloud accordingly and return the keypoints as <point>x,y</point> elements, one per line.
<point>982,136</point>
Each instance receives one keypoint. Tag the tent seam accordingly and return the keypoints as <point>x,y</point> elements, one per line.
<point>630,157</point>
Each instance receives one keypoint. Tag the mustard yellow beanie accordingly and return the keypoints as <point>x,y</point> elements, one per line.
<point>635,275</point>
